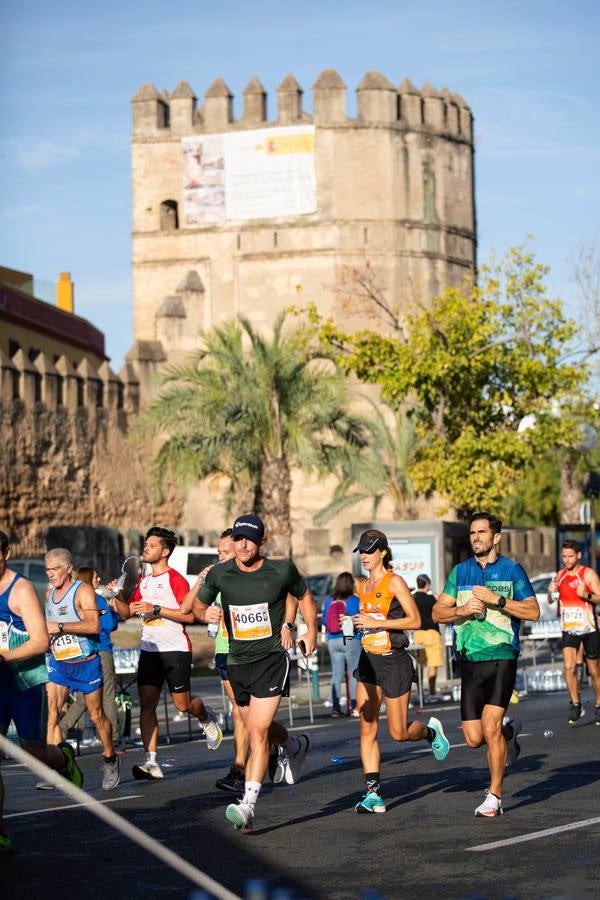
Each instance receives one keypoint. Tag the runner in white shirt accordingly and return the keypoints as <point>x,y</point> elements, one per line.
<point>165,648</point>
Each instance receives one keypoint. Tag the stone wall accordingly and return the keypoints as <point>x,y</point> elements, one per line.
<point>65,461</point>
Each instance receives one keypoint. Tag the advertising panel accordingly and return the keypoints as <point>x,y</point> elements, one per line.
<point>259,174</point>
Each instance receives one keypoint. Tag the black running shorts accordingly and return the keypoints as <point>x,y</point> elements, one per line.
<point>392,672</point>
<point>487,683</point>
<point>268,677</point>
<point>174,665</point>
<point>591,643</point>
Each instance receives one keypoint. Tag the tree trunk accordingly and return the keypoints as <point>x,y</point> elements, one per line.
<point>274,506</point>
<point>570,493</point>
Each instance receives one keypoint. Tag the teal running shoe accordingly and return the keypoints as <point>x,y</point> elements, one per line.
<point>439,744</point>
<point>372,802</point>
<point>241,816</point>
<point>71,771</point>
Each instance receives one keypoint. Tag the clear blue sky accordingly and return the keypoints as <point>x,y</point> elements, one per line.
<point>529,71</point>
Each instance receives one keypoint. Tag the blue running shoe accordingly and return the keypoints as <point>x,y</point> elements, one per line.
<point>370,803</point>
<point>439,744</point>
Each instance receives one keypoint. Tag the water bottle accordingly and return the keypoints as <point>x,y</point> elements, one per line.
<point>213,627</point>
<point>120,584</point>
<point>347,627</point>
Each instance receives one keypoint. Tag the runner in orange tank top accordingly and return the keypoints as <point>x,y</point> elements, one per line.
<point>578,588</point>
<point>387,610</point>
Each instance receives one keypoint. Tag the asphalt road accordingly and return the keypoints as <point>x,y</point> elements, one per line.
<point>308,838</point>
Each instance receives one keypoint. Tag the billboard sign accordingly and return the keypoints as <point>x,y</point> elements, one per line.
<point>259,174</point>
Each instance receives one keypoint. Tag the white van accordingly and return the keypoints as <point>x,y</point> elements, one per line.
<point>190,561</point>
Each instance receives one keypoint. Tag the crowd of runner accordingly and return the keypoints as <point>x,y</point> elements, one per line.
<point>254,601</point>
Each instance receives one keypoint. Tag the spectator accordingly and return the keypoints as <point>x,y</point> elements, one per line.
<point>432,654</point>
<point>343,652</point>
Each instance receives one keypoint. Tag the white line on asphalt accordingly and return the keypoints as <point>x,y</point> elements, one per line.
<point>534,835</point>
<point>37,812</point>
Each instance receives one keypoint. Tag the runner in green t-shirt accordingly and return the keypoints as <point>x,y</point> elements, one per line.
<point>253,592</point>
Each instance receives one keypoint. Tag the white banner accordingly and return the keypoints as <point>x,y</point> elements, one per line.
<point>257,174</point>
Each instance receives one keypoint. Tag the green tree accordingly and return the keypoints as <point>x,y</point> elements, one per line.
<point>485,371</point>
<point>380,469</point>
<point>253,408</point>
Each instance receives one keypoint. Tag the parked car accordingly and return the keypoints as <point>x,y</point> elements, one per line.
<point>540,585</point>
<point>320,586</point>
<point>190,561</point>
<point>35,570</point>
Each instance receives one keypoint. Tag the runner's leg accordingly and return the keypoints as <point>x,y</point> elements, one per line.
<point>149,699</point>
<point>57,694</point>
<point>397,716</point>
<point>570,668</point>
<point>491,724</point>
<point>369,698</point>
<point>101,722</point>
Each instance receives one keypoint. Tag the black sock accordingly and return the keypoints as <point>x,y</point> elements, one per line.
<point>373,781</point>
<point>430,735</point>
<point>110,759</point>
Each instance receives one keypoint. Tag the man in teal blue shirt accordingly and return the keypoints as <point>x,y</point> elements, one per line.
<point>485,598</point>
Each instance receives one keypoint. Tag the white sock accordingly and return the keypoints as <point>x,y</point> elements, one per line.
<point>251,792</point>
<point>291,745</point>
<point>151,757</point>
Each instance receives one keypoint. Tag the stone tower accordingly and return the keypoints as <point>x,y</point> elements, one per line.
<point>393,186</point>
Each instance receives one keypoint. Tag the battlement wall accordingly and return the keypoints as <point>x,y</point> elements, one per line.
<point>379,103</point>
<point>65,459</point>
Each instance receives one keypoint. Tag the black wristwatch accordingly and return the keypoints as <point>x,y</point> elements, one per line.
<point>289,625</point>
<point>156,610</point>
<point>61,627</point>
<point>501,602</point>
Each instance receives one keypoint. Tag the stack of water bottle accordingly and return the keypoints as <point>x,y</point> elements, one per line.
<point>545,628</point>
<point>126,660</point>
<point>546,680</point>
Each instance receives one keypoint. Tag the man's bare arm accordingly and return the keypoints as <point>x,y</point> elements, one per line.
<point>24,602</point>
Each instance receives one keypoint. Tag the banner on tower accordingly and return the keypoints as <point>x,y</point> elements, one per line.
<point>260,174</point>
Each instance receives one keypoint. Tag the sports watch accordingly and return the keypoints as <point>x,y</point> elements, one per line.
<point>156,610</point>
<point>501,602</point>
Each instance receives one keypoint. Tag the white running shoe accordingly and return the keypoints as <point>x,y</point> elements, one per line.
<point>213,733</point>
<point>491,806</point>
<point>514,748</point>
<point>241,816</point>
<point>150,771</point>
<point>290,765</point>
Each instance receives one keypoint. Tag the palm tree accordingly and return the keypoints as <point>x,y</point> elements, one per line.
<point>253,408</point>
<point>381,469</point>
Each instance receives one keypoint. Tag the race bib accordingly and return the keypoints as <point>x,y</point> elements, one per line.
<point>250,623</point>
<point>4,637</point>
<point>574,618</point>
<point>376,641</point>
<point>66,646</point>
<point>156,622</point>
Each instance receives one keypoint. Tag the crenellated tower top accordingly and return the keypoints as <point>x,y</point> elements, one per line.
<point>379,103</point>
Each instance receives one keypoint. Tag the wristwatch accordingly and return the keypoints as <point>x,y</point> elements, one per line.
<point>156,610</point>
<point>289,625</point>
<point>61,627</point>
<point>501,602</point>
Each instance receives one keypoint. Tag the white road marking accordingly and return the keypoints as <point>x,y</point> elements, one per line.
<point>535,835</point>
<point>37,812</point>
